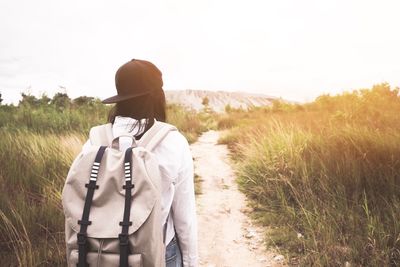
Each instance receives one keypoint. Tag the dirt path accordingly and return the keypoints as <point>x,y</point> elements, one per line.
<point>226,236</point>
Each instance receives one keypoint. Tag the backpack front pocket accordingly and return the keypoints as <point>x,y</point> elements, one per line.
<point>95,259</point>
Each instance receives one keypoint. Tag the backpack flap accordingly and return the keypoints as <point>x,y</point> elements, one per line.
<point>108,201</point>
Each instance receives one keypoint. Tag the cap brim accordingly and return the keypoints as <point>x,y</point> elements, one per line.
<point>119,98</point>
<point>116,99</point>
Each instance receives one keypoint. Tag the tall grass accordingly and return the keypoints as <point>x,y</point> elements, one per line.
<point>190,123</point>
<point>37,146</point>
<point>326,177</point>
<point>33,170</point>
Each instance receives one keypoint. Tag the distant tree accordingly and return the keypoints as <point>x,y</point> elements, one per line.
<point>279,105</point>
<point>83,101</point>
<point>61,101</point>
<point>325,101</point>
<point>228,108</point>
<point>28,100</point>
<point>44,100</point>
<point>384,90</point>
<point>205,101</point>
<point>1,99</point>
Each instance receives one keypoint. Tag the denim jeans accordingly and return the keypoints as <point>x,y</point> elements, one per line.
<point>173,256</point>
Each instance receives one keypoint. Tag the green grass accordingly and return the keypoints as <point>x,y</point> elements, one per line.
<point>37,146</point>
<point>33,171</point>
<point>49,119</point>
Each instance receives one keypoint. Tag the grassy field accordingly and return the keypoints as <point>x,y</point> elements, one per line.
<point>37,145</point>
<point>325,176</point>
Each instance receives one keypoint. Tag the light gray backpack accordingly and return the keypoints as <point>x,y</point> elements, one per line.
<point>112,202</point>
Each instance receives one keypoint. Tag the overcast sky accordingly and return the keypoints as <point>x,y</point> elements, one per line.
<point>289,48</point>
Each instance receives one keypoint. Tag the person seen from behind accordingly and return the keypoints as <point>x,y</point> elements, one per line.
<point>139,103</point>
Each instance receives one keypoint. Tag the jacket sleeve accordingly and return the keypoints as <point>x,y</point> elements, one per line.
<point>184,210</point>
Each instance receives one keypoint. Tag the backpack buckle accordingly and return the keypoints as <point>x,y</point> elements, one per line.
<point>123,239</point>
<point>82,239</point>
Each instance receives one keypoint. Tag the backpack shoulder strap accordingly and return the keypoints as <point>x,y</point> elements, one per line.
<point>101,134</point>
<point>155,135</point>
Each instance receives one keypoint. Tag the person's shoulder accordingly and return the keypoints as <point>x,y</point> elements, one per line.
<point>175,138</point>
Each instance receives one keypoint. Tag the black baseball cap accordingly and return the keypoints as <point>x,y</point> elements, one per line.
<point>135,78</point>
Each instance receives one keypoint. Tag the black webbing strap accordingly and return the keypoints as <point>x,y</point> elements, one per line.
<point>84,222</point>
<point>124,236</point>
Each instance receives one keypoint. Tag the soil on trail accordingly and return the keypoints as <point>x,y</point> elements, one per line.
<point>226,235</point>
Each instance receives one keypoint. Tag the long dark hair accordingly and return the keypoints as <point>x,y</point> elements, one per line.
<point>149,107</point>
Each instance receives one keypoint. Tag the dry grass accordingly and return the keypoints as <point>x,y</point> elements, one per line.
<point>32,175</point>
<point>326,176</point>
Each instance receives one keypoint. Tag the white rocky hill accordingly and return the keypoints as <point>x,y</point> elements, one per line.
<point>217,100</point>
